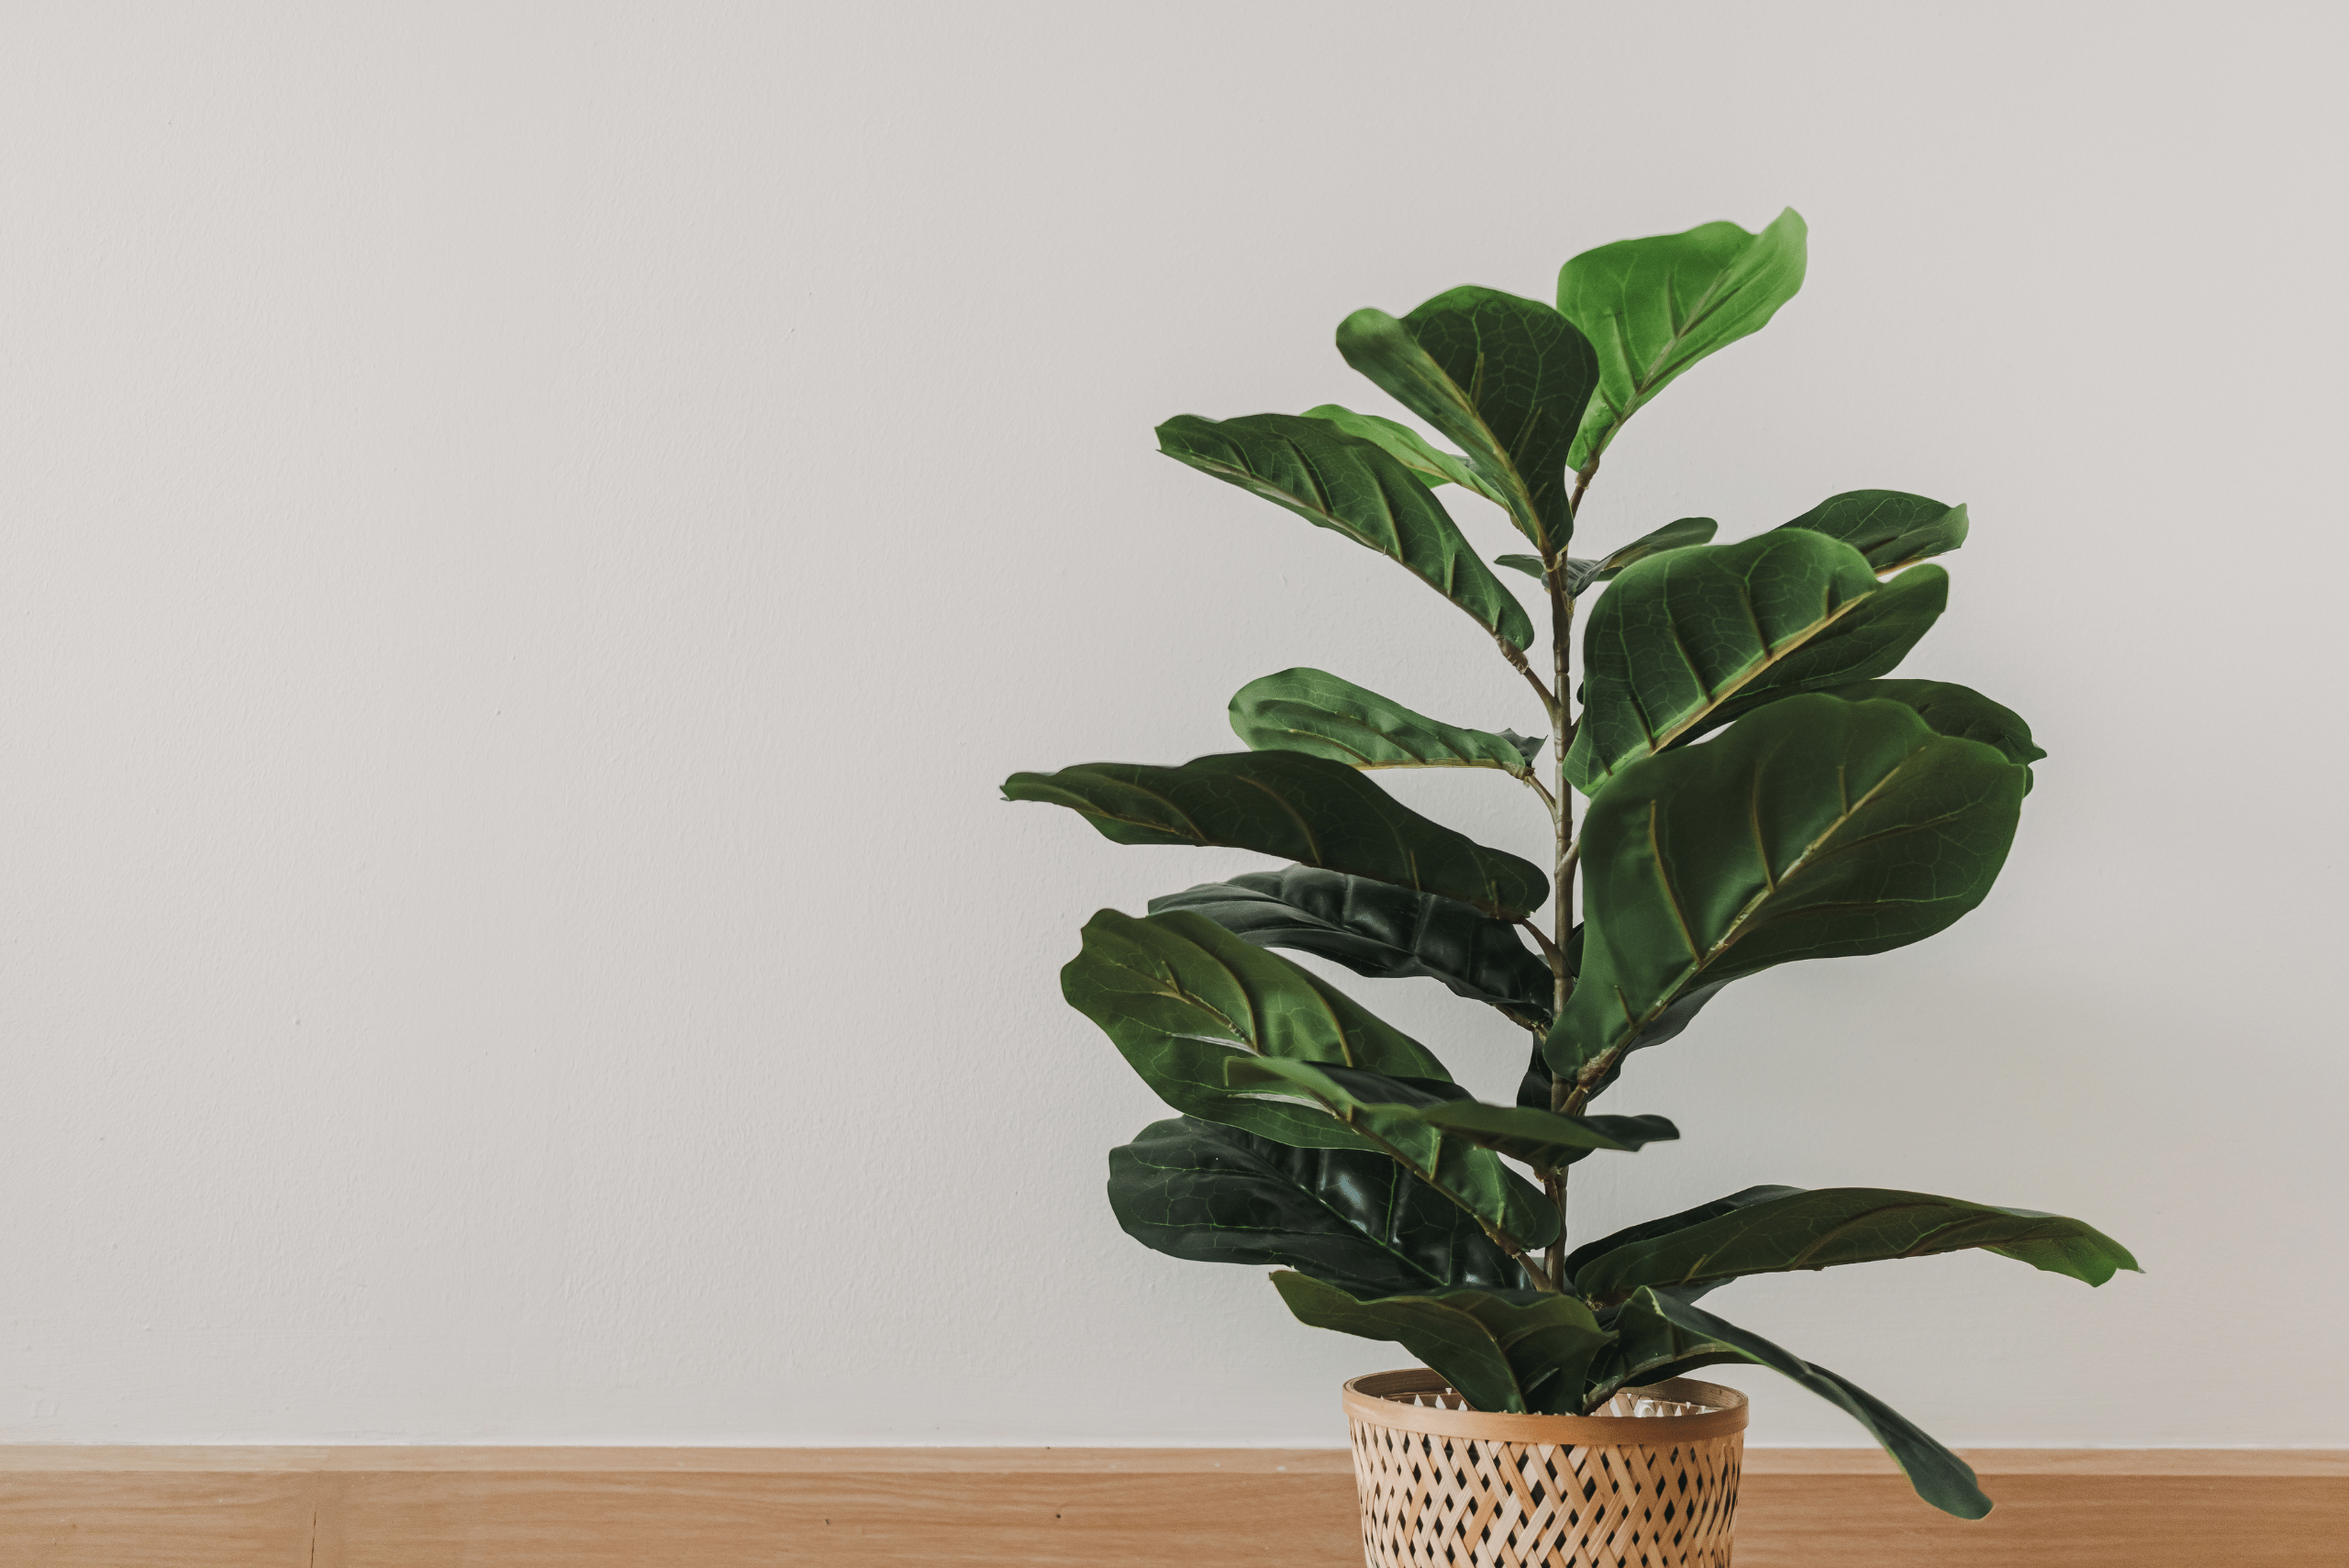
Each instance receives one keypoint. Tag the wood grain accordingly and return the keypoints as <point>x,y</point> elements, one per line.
<point>588,1507</point>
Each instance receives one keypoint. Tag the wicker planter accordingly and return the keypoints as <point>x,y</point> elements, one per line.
<point>1445,1486</point>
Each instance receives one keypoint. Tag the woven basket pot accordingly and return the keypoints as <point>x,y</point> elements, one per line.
<point>1649,1483</point>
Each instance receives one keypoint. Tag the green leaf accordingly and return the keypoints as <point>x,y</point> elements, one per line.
<point>1814,827</point>
<point>1820,1229</point>
<point>1544,1139</point>
<point>1506,378</point>
<point>1301,808</point>
<point>1633,1234</point>
<point>1178,996</point>
<point>1433,465</point>
<point>1192,1189</point>
<point>1679,534</point>
<point>1892,530</point>
<point>1396,1114</point>
<point>1350,486</point>
<point>1385,932</point>
<point>1653,308</point>
<point>1529,564</point>
<point>1689,639</point>
<point>1514,1350</point>
<point>1939,1477</point>
<point>1953,709</point>
<point>1316,712</point>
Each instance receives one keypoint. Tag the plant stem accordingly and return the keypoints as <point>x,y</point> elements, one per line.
<point>1569,847</point>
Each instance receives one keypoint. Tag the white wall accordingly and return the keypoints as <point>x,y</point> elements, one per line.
<point>532,533</point>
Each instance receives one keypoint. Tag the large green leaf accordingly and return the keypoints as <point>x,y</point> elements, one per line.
<point>1350,486</point>
<point>1506,378</point>
<point>1814,827</point>
<point>1653,308</point>
<point>1818,1229</point>
<point>1431,463</point>
<point>1953,709</point>
<point>1939,1477</point>
<point>1318,713</point>
<point>1374,928</point>
<point>1399,1116</point>
<point>1889,527</point>
<point>1649,1229</point>
<point>1689,639</point>
<point>1513,1351</point>
<point>1215,1195</point>
<point>1179,996</point>
<point>1301,808</point>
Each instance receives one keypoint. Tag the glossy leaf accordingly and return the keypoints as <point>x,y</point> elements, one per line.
<point>1431,463</point>
<point>1679,534</point>
<point>1385,932</point>
<point>1193,1189</point>
<point>1399,1116</point>
<point>1691,638</point>
<point>1891,528</point>
<point>1953,709</point>
<point>1512,1350</point>
<point>1939,1477</point>
<point>1353,487</point>
<point>1320,714</point>
<point>1179,996</point>
<point>1506,378</point>
<point>1653,308</point>
<point>1542,1139</point>
<point>1302,808</point>
<point>1631,1235</point>
<point>1529,564</point>
<point>1814,827</point>
<point>1797,1229</point>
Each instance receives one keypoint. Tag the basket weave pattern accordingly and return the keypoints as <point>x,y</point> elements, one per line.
<point>1438,1494</point>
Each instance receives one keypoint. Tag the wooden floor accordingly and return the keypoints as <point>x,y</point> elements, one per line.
<point>475,1507</point>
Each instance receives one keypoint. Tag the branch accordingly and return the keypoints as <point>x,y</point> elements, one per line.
<point>1516,657</point>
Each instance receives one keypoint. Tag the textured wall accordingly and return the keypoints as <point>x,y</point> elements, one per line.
<point>533,532</point>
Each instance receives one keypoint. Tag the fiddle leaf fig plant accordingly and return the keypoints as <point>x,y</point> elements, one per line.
<point>1733,775</point>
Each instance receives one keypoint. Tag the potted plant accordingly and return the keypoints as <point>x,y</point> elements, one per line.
<point>1759,791</point>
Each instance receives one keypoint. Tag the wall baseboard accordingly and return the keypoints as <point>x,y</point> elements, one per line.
<point>73,1507</point>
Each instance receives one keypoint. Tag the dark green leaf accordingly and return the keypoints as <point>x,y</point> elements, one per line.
<point>1346,484</point>
<point>1939,1477</point>
<point>1399,1116</point>
<point>1318,713</point>
<point>1385,932</point>
<point>1306,809</point>
<point>1214,1195</point>
<point>1953,709</point>
<point>1818,1229</point>
<point>1529,564</point>
<point>1514,1350</point>
<point>1631,1235</point>
<point>1679,534</point>
<point>1653,308</point>
<point>1432,465</point>
<point>1691,638</point>
<point>1889,527</point>
<point>1814,827</point>
<point>1179,996</point>
<point>1542,1139</point>
<point>1506,378</point>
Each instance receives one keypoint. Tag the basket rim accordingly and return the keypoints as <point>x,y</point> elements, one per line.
<point>1372,1400</point>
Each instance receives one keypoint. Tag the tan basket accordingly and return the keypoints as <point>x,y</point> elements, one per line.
<point>1446,1487</point>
